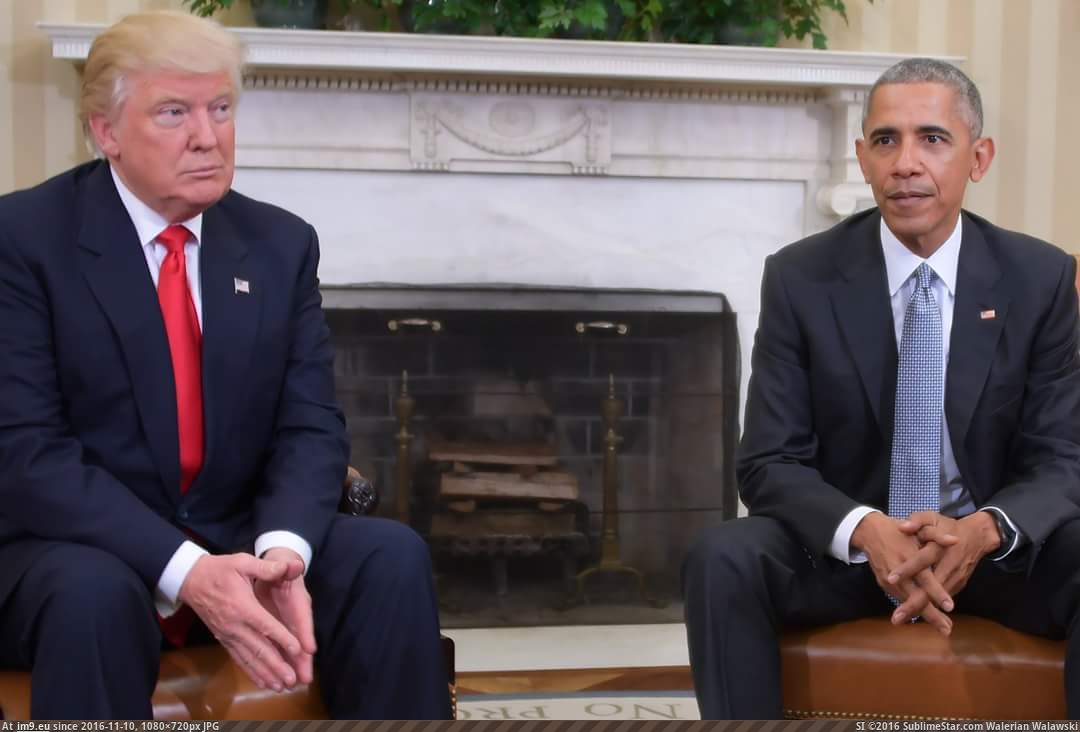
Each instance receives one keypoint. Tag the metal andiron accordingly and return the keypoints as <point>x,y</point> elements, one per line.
<point>404,406</point>
<point>610,555</point>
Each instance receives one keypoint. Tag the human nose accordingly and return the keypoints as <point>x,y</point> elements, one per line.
<point>907,160</point>
<point>201,131</point>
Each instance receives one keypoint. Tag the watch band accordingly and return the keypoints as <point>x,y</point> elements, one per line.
<point>1005,531</point>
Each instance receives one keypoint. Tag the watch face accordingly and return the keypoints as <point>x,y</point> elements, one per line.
<point>1004,530</point>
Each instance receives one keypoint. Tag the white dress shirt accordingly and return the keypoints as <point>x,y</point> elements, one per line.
<point>900,266</point>
<point>149,223</point>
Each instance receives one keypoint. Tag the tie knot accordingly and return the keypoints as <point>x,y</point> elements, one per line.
<point>174,238</point>
<point>924,276</point>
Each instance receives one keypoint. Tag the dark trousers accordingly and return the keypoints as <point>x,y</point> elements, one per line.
<point>746,580</point>
<point>84,624</point>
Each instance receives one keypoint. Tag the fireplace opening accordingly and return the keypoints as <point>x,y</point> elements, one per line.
<point>558,448</point>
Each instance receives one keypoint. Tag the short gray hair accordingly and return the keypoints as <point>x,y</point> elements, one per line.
<point>930,70</point>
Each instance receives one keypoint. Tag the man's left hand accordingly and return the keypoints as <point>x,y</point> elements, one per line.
<point>976,536</point>
<point>288,601</point>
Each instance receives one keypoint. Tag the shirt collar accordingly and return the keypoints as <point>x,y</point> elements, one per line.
<point>148,222</point>
<point>901,262</point>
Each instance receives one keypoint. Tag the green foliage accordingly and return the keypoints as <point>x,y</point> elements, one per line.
<point>761,22</point>
<point>755,22</point>
<point>206,8</point>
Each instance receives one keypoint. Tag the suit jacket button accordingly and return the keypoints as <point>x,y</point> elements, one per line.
<point>183,514</point>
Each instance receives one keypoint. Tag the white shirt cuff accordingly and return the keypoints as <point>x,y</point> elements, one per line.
<point>1017,536</point>
<point>285,540</point>
<point>841,542</point>
<point>173,576</point>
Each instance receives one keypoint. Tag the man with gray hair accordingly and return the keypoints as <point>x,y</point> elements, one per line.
<point>912,436</point>
<point>171,452</point>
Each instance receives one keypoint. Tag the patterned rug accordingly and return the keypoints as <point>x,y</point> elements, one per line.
<point>583,705</point>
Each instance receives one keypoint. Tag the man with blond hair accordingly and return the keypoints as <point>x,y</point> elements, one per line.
<point>170,448</point>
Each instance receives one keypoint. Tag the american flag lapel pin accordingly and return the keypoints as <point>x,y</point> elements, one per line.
<point>241,286</point>
<point>987,314</point>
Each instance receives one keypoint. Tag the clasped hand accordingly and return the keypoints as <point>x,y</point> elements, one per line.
<point>260,611</point>
<point>925,560</point>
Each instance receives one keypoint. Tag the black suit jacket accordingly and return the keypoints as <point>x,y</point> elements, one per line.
<point>819,415</point>
<point>88,432</point>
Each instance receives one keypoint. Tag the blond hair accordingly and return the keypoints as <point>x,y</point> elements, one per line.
<point>160,40</point>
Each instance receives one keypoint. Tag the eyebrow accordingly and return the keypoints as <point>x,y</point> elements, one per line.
<point>167,99</point>
<point>921,130</point>
<point>933,130</point>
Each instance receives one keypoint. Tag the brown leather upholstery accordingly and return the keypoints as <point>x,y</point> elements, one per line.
<point>204,683</point>
<point>872,669</point>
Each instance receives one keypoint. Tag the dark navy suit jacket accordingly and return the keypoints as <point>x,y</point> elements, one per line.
<point>88,431</point>
<point>819,417</point>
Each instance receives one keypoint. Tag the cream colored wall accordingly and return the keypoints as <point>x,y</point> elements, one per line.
<point>1024,54</point>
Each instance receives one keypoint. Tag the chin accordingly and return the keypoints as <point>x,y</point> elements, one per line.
<point>205,194</point>
<point>898,222</point>
<point>904,227</point>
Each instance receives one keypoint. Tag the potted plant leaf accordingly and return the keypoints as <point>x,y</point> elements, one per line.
<point>748,22</point>
<point>308,14</point>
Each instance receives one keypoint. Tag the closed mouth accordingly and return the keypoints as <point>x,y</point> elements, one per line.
<point>205,171</point>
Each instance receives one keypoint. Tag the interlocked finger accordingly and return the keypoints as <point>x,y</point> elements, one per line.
<point>939,596</point>
<point>917,604</point>
<point>926,556</point>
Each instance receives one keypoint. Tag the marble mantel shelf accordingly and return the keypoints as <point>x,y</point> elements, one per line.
<point>529,57</point>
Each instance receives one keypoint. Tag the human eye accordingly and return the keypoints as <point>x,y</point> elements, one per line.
<point>170,115</point>
<point>883,140</point>
<point>221,111</point>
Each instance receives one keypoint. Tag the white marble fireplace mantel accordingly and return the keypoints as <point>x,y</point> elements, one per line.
<point>588,89</point>
<point>427,159</point>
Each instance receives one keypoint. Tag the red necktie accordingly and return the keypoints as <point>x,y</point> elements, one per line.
<point>185,346</point>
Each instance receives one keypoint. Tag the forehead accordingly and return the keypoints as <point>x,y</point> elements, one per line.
<point>152,86</point>
<point>920,104</point>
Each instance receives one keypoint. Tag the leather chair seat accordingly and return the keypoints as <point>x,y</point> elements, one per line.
<point>204,683</point>
<point>871,669</point>
<point>195,683</point>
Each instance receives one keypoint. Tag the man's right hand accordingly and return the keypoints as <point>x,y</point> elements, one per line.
<point>220,590</point>
<point>920,593</point>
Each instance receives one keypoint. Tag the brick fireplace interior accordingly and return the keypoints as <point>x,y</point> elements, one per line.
<point>506,450</point>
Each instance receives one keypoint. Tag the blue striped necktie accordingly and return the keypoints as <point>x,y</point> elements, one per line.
<point>915,468</point>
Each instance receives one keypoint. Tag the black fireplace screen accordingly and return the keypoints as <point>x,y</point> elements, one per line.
<point>559,450</point>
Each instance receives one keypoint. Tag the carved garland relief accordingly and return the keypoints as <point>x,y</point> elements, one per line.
<point>570,132</point>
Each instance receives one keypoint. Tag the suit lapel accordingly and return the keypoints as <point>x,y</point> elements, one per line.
<point>861,304</point>
<point>114,266</point>
<point>230,324</point>
<point>974,336</point>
